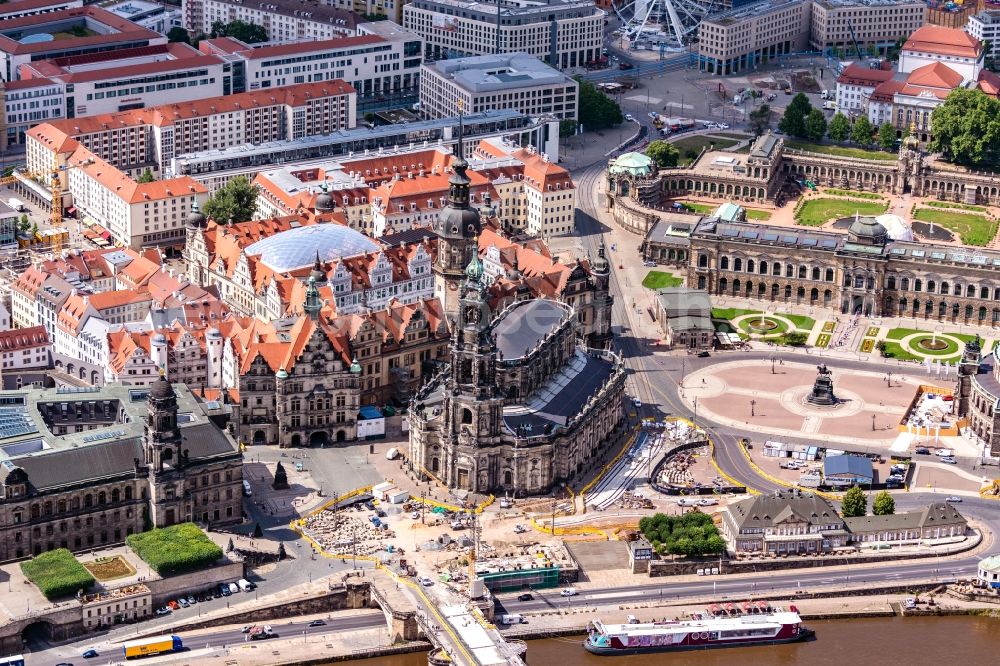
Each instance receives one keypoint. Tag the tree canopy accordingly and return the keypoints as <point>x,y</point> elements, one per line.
<point>793,122</point>
<point>815,125</point>
<point>146,176</point>
<point>178,34</point>
<point>597,110</point>
<point>692,534</point>
<point>664,153</point>
<point>862,131</point>
<point>854,503</point>
<point>886,136</point>
<point>567,128</point>
<point>236,201</point>
<point>760,119</point>
<point>839,128</point>
<point>884,504</point>
<point>250,33</point>
<point>967,128</point>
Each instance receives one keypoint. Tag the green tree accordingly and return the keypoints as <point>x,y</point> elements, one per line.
<point>884,504</point>
<point>235,201</point>
<point>34,229</point>
<point>862,131</point>
<point>664,153</point>
<point>250,33</point>
<point>967,128</point>
<point>839,128</point>
<point>887,136</point>
<point>597,110</point>
<point>567,127</point>
<point>760,119</point>
<point>146,176</point>
<point>815,125</point>
<point>854,503</point>
<point>178,34</point>
<point>25,224</point>
<point>794,120</point>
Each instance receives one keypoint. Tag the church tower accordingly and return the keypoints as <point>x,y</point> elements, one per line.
<point>473,409</point>
<point>164,457</point>
<point>968,367</point>
<point>457,228</point>
<point>600,278</point>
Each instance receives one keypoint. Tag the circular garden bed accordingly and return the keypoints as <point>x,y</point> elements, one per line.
<point>934,346</point>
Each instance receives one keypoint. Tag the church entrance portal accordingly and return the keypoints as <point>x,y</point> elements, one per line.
<point>319,438</point>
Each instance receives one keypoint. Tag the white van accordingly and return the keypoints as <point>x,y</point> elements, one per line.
<point>514,618</point>
<point>233,589</point>
<point>247,492</point>
<point>244,584</point>
<point>392,453</point>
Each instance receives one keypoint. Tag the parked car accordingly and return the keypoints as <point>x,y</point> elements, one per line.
<point>910,603</point>
<point>173,605</point>
<point>637,403</point>
<point>629,118</point>
<point>415,515</point>
<point>90,654</point>
<point>520,529</point>
<point>183,602</point>
<point>703,354</point>
<point>317,623</point>
<point>722,125</point>
<point>922,450</point>
<point>163,611</point>
<point>524,597</point>
<point>568,592</point>
<point>425,581</point>
<point>246,629</point>
<point>949,461</point>
<point>687,501</point>
<point>707,502</point>
<point>953,499</point>
<point>190,599</point>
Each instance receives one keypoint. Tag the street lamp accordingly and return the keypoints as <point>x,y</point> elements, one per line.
<point>753,403</point>
<point>423,499</point>
<point>773,359</point>
<point>888,379</point>
<point>873,423</point>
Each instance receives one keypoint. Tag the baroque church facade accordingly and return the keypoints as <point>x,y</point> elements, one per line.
<point>521,404</point>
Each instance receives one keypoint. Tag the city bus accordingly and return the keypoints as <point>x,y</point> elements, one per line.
<point>150,646</point>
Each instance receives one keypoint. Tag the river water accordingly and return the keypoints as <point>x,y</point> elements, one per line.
<point>962,640</point>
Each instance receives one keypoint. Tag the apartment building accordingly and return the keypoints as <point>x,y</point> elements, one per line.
<point>153,136</point>
<point>857,82</point>
<point>25,349</point>
<point>382,65</point>
<point>737,39</point>
<point>563,33</point>
<point>508,81</point>
<point>284,20</point>
<point>985,27</point>
<point>872,24</point>
<point>152,15</point>
<point>99,30</point>
<point>125,79</point>
<point>27,103</point>
<point>21,8</point>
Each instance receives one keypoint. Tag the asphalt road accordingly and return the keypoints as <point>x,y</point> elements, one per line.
<point>217,640</point>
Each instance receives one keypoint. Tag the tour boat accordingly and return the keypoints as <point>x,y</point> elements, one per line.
<point>762,626</point>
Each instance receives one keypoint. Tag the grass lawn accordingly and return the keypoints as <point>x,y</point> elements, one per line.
<point>853,193</point>
<point>705,209</point>
<point>841,151</point>
<point>731,313</point>
<point>951,347</point>
<point>57,573</point>
<point>690,146</point>
<point>817,212</point>
<point>109,568</point>
<point>823,340</point>
<point>867,345</point>
<point>957,206</point>
<point>659,280</point>
<point>829,326</point>
<point>975,230</point>
<point>894,350</point>
<point>871,332</point>
<point>175,549</point>
<point>900,333</point>
<point>801,322</point>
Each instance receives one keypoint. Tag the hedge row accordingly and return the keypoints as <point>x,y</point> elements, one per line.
<point>175,549</point>
<point>57,573</point>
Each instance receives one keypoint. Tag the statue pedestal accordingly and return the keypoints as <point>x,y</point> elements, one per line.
<point>822,392</point>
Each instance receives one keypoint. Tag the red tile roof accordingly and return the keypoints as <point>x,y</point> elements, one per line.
<point>935,75</point>
<point>23,338</point>
<point>859,75</point>
<point>122,30</point>
<point>943,41</point>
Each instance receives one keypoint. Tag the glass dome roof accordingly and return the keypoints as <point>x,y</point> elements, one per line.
<point>297,248</point>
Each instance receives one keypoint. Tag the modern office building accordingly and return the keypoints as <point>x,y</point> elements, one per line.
<point>27,103</point>
<point>985,27</point>
<point>874,25</point>
<point>81,30</point>
<point>284,20</point>
<point>508,81</point>
<point>154,16</point>
<point>563,33</point>
<point>21,8</point>
<point>736,39</point>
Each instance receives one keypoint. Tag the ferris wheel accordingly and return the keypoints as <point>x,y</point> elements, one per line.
<point>644,20</point>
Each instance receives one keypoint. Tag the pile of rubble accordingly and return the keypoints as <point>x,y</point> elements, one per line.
<point>342,532</point>
<point>677,470</point>
<point>631,500</point>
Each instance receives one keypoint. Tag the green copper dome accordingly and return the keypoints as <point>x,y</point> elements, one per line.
<point>635,164</point>
<point>474,271</point>
<point>355,367</point>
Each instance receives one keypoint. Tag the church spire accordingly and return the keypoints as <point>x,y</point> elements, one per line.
<point>312,305</point>
<point>458,183</point>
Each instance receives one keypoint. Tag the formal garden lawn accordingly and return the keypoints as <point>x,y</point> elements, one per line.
<point>57,573</point>
<point>842,151</point>
<point>659,280</point>
<point>691,146</point>
<point>175,549</point>
<point>833,192</point>
<point>957,206</point>
<point>109,568</point>
<point>817,212</point>
<point>976,230</point>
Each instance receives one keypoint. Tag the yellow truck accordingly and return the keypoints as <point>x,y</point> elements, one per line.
<point>154,645</point>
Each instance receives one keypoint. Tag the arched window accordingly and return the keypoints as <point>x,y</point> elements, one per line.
<point>724,263</point>
<point>466,416</point>
<point>737,264</point>
<point>904,284</point>
<point>802,272</point>
<point>984,292</point>
<point>918,285</point>
<point>750,266</point>
<point>776,269</point>
<point>813,294</point>
<point>702,261</point>
<point>701,281</point>
<point>930,287</point>
<point>829,275</point>
<point>789,271</point>
<point>890,283</point>
<point>762,268</point>
<point>968,312</point>
<point>970,291</point>
<point>815,273</point>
